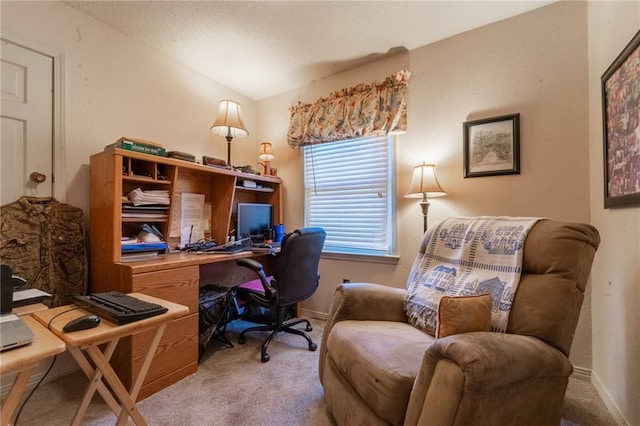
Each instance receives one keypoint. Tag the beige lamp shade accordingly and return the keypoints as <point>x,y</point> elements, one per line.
<point>229,120</point>
<point>266,151</point>
<point>424,183</point>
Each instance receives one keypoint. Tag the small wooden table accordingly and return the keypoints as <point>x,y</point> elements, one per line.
<point>84,347</point>
<point>23,360</point>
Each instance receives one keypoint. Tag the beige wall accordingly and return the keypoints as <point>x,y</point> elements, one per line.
<point>615,276</point>
<point>115,87</point>
<point>517,65</point>
<point>545,65</point>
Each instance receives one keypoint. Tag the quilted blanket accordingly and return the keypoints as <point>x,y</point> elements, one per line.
<point>468,256</point>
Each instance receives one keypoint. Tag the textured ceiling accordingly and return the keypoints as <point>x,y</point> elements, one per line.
<point>264,48</point>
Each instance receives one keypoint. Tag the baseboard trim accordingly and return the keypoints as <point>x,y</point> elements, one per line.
<point>581,373</point>
<point>603,393</point>
<point>64,365</point>
<point>313,314</point>
<point>588,375</point>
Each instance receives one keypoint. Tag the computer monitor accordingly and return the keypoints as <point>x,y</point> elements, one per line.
<point>252,219</point>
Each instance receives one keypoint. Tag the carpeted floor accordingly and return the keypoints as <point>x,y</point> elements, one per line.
<point>232,387</point>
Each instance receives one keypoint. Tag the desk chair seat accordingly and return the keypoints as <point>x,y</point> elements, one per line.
<point>296,279</point>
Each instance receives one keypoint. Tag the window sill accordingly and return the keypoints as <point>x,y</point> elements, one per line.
<point>390,259</point>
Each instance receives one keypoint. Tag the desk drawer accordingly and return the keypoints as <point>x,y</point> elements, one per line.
<point>178,348</point>
<point>179,285</point>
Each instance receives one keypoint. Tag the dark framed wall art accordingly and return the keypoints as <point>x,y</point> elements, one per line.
<point>621,128</point>
<point>492,146</point>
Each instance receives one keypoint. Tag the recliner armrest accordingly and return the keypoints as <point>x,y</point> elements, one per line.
<point>486,361</point>
<point>366,301</point>
<point>362,301</point>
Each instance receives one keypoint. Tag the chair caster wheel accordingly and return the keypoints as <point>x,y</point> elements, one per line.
<point>265,358</point>
<point>242,340</point>
<point>313,347</point>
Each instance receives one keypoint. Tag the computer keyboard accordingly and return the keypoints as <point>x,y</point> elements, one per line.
<point>118,308</point>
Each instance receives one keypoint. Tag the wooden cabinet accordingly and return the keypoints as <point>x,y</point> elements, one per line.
<point>174,277</point>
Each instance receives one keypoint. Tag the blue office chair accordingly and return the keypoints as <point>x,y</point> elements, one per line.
<point>296,279</point>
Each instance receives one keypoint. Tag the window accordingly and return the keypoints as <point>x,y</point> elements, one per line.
<point>349,191</point>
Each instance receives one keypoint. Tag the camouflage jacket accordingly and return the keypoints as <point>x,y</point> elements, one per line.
<point>44,242</point>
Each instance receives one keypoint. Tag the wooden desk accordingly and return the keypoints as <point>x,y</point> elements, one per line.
<point>23,361</point>
<point>175,277</point>
<point>84,347</point>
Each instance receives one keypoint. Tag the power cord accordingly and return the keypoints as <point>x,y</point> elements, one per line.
<point>34,389</point>
<point>61,313</point>
<point>55,357</point>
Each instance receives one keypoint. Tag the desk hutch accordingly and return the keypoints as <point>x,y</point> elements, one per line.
<point>177,276</point>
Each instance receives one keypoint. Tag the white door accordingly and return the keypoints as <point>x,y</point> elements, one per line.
<point>26,155</point>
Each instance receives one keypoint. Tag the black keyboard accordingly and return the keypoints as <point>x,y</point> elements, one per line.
<point>118,308</point>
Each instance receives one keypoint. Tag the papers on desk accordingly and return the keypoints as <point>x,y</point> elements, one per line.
<point>140,198</point>
<point>193,219</point>
<point>29,297</point>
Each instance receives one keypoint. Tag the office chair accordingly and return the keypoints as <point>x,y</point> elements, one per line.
<point>296,279</point>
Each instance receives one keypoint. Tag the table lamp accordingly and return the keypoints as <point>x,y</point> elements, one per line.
<point>425,185</point>
<point>229,124</point>
<point>266,155</point>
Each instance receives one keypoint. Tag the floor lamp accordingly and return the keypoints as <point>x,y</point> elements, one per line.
<point>229,124</point>
<point>425,185</point>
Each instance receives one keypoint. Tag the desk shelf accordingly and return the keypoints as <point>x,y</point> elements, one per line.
<point>242,188</point>
<point>143,219</point>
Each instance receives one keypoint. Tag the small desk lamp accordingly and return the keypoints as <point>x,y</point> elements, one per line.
<point>266,154</point>
<point>229,124</point>
<point>424,184</point>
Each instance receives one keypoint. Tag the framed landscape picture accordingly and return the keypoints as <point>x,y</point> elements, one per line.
<point>621,128</point>
<point>492,146</point>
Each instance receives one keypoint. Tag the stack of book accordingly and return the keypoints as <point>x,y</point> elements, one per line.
<point>144,212</point>
<point>139,145</point>
<point>182,156</point>
<point>134,249</point>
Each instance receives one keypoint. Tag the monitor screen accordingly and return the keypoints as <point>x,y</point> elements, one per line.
<point>252,219</point>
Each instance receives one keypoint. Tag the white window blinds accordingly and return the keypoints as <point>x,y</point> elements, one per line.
<point>349,193</point>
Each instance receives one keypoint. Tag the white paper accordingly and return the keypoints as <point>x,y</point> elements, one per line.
<point>195,218</point>
<point>29,293</point>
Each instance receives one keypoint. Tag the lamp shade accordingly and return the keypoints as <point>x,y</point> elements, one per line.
<point>424,183</point>
<point>229,120</point>
<point>266,151</point>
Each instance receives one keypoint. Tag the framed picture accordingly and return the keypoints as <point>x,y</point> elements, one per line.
<point>621,128</point>
<point>492,146</point>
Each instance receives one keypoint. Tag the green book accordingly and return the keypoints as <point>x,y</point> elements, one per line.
<point>145,149</point>
<point>138,147</point>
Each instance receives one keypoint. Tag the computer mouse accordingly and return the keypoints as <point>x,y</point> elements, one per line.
<point>82,323</point>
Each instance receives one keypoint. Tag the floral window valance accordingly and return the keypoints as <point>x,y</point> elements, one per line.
<point>365,110</point>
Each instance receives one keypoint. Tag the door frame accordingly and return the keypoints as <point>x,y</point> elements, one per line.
<point>59,186</point>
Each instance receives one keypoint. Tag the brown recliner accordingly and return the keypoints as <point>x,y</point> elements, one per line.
<point>376,369</point>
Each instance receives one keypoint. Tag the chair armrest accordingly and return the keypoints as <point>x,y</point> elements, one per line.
<point>479,362</point>
<point>362,301</point>
<point>270,293</point>
<point>251,264</point>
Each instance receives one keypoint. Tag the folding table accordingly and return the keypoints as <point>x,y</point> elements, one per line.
<point>23,361</point>
<point>85,348</point>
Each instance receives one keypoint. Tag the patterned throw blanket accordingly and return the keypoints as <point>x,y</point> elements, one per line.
<point>468,256</point>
